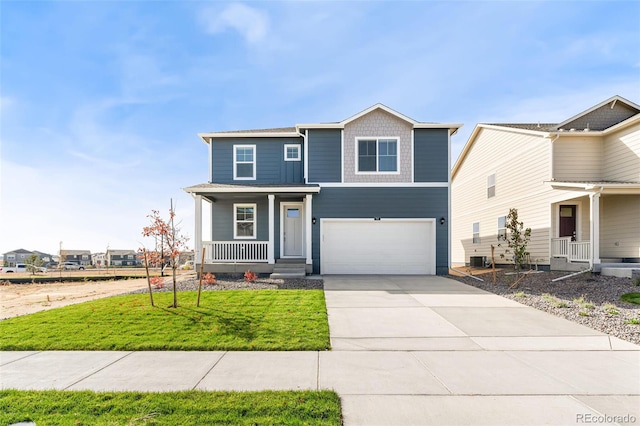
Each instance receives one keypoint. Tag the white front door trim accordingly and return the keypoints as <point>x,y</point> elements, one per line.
<point>302,236</point>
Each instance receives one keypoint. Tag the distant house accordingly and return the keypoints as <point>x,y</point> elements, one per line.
<point>16,256</point>
<point>576,184</point>
<point>47,259</point>
<point>122,258</point>
<point>365,195</point>
<point>99,260</point>
<point>82,257</point>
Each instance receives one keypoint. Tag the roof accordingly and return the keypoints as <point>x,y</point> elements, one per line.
<point>605,117</point>
<point>20,251</point>
<point>72,252</point>
<point>121,251</point>
<point>296,131</point>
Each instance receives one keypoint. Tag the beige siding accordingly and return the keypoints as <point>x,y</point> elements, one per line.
<point>620,226</point>
<point>577,159</point>
<point>622,155</point>
<point>521,165</point>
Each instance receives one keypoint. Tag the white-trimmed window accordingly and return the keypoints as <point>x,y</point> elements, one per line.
<point>244,162</point>
<point>244,221</point>
<point>292,152</point>
<point>476,233</point>
<point>377,155</point>
<point>502,228</point>
<point>491,186</point>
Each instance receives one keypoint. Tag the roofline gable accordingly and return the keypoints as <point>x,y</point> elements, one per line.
<point>613,99</point>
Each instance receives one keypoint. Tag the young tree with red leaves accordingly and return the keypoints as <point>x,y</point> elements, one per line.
<point>174,241</point>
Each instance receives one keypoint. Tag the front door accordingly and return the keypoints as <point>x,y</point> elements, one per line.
<point>292,230</point>
<point>568,221</point>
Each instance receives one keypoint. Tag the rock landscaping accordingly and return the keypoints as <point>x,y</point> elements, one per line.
<point>588,299</point>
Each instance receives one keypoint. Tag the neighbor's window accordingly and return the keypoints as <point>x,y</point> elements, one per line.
<point>491,186</point>
<point>476,233</point>
<point>244,162</point>
<point>502,228</point>
<point>244,221</point>
<point>292,152</point>
<point>377,155</point>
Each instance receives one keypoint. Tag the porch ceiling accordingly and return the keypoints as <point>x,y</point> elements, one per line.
<point>598,186</point>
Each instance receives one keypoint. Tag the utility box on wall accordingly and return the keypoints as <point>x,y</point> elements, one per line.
<point>477,261</point>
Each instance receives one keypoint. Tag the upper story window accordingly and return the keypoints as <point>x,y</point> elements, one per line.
<point>244,162</point>
<point>244,219</point>
<point>377,155</point>
<point>292,152</point>
<point>476,233</point>
<point>491,186</point>
<point>502,228</point>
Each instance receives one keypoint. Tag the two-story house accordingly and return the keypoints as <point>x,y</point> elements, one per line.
<point>16,256</point>
<point>366,195</point>
<point>576,184</point>
<point>81,257</point>
<point>122,258</point>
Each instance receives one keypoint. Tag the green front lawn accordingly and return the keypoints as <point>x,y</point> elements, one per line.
<point>226,320</point>
<point>631,298</point>
<point>170,408</point>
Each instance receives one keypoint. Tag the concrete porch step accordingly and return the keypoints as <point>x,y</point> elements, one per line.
<point>284,275</point>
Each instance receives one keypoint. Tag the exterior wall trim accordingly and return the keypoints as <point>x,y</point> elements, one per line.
<point>385,185</point>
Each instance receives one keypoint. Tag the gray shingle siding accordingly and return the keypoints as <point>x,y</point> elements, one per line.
<point>387,202</point>
<point>431,155</point>
<point>602,118</point>
<point>325,155</point>
<point>270,164</point>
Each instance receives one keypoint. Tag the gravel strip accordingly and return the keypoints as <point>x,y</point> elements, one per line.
<point>588,299</point>
<point>230,283</point>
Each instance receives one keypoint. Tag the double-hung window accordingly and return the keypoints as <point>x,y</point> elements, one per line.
<point>377,155</point>
<point>244,221</point>
<point>491,186</point>
<point>244,162</point>
<point>502,228</point>
<point>476,232</point>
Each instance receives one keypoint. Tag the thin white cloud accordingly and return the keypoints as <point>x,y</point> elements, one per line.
<point>251,23</point>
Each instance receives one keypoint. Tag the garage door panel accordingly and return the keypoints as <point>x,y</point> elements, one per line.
<point>378,247</point>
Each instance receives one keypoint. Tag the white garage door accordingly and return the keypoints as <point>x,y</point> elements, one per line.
<point>386,246</point>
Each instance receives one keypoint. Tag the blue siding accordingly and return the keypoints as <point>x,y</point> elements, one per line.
<point>270,164</point>
<point>385,203</point>
<point>222,220</point>
<point>325,155</point>
<point>431,155</point>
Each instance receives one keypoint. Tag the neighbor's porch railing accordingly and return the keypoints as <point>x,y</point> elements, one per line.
<point>235,251</point>
<point>577,251</point>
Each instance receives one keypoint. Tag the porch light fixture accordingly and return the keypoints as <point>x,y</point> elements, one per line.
<point>442,221</point>
<point>313,220</point>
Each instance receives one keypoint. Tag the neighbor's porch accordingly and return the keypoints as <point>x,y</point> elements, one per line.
<point>599,226</point>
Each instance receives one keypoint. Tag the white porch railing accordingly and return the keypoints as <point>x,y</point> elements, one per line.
<point>235,251</point>
<point>577,251</point>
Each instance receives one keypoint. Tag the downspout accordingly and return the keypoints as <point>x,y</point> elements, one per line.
<point>551,157</point>
<point>306,156</point>
<point>551,178</point>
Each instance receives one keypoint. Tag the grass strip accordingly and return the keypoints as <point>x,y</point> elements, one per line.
<point>631,298</point>
<point>79,408</point>
<point>265,320</point>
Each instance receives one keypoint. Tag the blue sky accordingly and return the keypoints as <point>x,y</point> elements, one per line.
<point>101,102</point>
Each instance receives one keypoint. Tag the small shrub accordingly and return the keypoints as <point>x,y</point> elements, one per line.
<point>554,301</point>
<point>157,282</point>
<point>584,313</point>
<point>636,282</point>
<point>611,309</point>
<point>634,321</point>
<point>582,302</point>
<point>250,276</point>
<point>520,294</point>
<point>209,279</point>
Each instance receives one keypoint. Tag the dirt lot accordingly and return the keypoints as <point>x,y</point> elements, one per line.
<point>23,299</point>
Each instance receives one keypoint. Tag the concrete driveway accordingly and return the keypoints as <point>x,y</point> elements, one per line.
<point>406,351</point>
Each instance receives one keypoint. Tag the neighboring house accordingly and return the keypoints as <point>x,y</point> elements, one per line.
<point>576,184</point>
<point>99,260</point>
<point>366,195</point>
<point>16,256</point>
<point>122,258</point>
<point>81,257</point>
<point>47,259</point>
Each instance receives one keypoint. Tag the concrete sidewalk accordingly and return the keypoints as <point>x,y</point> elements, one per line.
<point>406,350</point>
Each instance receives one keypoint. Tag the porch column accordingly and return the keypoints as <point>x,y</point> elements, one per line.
<point>272,232</point>
<point>198,230</point>
<point>594,199</point>
<point>308,231</point>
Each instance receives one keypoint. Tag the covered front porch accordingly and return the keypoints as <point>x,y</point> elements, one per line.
<point>598,226</point>
<point>264,228</point>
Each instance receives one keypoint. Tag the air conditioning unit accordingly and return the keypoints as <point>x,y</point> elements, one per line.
<point>477,261</point>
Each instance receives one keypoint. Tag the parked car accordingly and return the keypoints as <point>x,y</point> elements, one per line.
<point>188,265</point>
<point>71,266</point>
<point>21,268</point>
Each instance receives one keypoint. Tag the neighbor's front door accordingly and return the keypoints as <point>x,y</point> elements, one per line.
<point>292,230</point>
<point>568,221</point>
